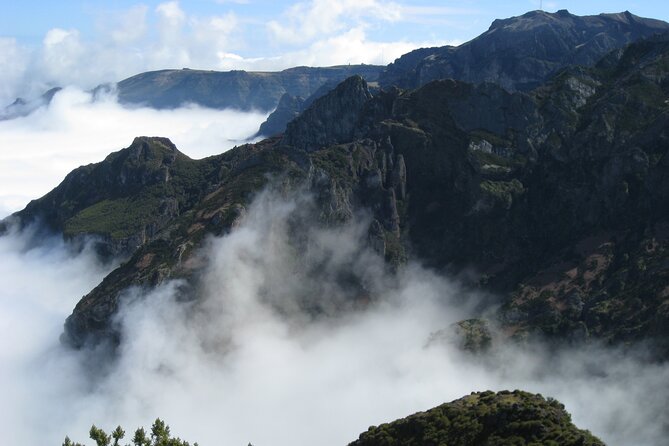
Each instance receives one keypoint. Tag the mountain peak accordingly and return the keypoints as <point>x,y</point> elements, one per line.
<point>147,148</point>
<point>520,53</point>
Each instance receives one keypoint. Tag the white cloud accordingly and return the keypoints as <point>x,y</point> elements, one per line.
<point>62,54</point>
<point>130,26</point>
<point>14,62</point>
<point>171,14</point>
<point>40,149</point>
<point>303,22</point>
<point>349,47</point>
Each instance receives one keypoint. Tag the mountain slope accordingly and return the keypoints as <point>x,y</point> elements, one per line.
<point>522,52</point>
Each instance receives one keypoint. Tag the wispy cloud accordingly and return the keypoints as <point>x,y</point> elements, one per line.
<point>306,21</point>
<point>434,15</point>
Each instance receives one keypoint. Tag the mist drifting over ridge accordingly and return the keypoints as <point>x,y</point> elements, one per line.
<point>78,128</point>
<point>249,359</point>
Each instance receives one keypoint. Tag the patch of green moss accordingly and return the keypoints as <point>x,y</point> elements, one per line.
<point>503,192</point>
<point>117,218</point>
<point>336,161</point>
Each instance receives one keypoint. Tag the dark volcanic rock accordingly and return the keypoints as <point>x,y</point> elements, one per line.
<point>522,52</point>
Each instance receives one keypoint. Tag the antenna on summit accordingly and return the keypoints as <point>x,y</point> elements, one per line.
<point>541,5</point>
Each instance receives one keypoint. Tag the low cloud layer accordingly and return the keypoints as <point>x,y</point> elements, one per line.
<point>251,361</point>
<point>40,149</point>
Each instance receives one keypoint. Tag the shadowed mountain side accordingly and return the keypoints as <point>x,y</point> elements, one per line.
<point>520,53</point>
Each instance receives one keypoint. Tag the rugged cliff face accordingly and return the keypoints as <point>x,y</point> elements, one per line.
<point>556,199</point>
<point>522,52</point>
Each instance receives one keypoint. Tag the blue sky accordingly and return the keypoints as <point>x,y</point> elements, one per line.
<point>84,43</point>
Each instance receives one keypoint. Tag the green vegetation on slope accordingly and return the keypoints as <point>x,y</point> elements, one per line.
<point>484,419</point>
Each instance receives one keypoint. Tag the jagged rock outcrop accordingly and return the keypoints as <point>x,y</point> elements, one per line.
<point>288,109</point>
<point>331,119</point>
<point>522,52</point>
<point>484,418</point>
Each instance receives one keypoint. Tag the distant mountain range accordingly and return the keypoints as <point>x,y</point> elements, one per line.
<point>536,155</point>
<point>233,89</point>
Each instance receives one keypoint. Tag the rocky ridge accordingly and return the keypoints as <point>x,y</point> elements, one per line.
<point>520,53</point>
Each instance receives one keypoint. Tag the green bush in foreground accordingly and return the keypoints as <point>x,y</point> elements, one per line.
<point>159,436</point>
